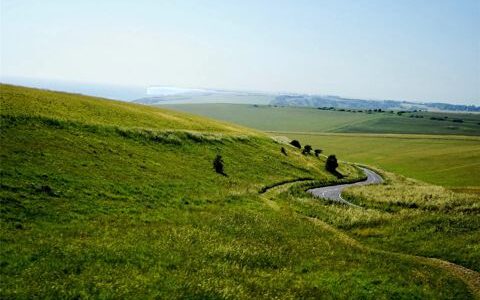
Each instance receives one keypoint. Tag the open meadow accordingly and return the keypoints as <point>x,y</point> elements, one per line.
<point>103,199</point>
<point>404,145</point>
<point>302,119</point>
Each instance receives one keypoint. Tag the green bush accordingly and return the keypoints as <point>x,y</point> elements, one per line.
<point>307,149</point>
<point>331,164</point>
<point>218,165</point>
<point>296,144</point>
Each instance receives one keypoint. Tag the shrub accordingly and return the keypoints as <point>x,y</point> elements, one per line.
<point>296,144</point>
<point>218,165</point>
<point>331,165</point>
<point>284,152</point>
<point>457,120</point>
<point>307,149</point>
<point>317,152</point>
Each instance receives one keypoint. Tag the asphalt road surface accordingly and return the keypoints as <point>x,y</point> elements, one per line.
<point>334,192</point>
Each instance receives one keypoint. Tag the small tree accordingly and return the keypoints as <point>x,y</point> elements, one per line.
<point>307,149</point>
<point>218,164</point>
<point>317,152</point>
<point>284,152</point>
<point>296,144</point>
<point>331,165</point>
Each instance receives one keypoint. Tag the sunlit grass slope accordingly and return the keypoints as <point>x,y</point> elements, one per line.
<point>78,108</point>
<point>406,216</point>
<point>105,199</point>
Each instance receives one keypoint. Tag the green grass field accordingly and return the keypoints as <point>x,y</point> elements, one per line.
<point>104,199</point>
<point>269,118</point>
<point>448,160</point>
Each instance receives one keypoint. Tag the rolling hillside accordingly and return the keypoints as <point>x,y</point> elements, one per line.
<point>105,199</point>
<point>437,150</point>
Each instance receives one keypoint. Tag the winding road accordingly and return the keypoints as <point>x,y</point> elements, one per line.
<point>334,192</point>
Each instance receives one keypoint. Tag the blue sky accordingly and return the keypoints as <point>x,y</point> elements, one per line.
<point>416,50</point>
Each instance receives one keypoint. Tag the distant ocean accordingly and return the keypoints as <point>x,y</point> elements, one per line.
<point>117,92</point>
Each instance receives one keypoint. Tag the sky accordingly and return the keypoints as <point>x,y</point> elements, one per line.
<point>403,50</point>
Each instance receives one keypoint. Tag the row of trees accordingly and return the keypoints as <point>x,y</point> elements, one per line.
<point>331,164</point>
<point>306,150</point>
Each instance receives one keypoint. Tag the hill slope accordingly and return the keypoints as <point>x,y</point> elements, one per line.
<point>446,156</point>
<point>107,199</point>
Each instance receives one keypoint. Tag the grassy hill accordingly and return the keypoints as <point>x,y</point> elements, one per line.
<point>105,199</point>
<point>430,151</point>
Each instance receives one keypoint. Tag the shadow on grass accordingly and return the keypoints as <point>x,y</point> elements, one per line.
<point>336,174</point>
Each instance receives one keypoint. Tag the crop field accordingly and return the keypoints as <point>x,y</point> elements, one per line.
<point>103,199</point>
<point>449,161</point>
<point>269,118</point>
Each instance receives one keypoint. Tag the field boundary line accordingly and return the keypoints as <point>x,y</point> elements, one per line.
<point>406,136</point>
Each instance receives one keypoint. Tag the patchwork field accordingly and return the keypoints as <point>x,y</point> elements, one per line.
<point>104,199</point>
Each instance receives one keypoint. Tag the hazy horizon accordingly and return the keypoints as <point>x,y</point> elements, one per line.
<point>131,92</point>
<point>421,52</point>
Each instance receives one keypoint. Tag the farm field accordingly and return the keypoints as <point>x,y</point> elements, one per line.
<point>449,160</point>
<point>269,118</point>
<point>105,199</point>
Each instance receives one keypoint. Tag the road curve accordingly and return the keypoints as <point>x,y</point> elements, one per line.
<point>334,192</point>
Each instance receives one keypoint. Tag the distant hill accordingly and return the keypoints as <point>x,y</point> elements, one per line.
<point>172,95</point>
<point>346,103</point>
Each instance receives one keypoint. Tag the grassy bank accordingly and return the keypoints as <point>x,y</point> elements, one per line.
<point>103,199</point>
<point>403,216</point>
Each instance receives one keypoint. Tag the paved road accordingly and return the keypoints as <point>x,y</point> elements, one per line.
<point>334,192</point>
